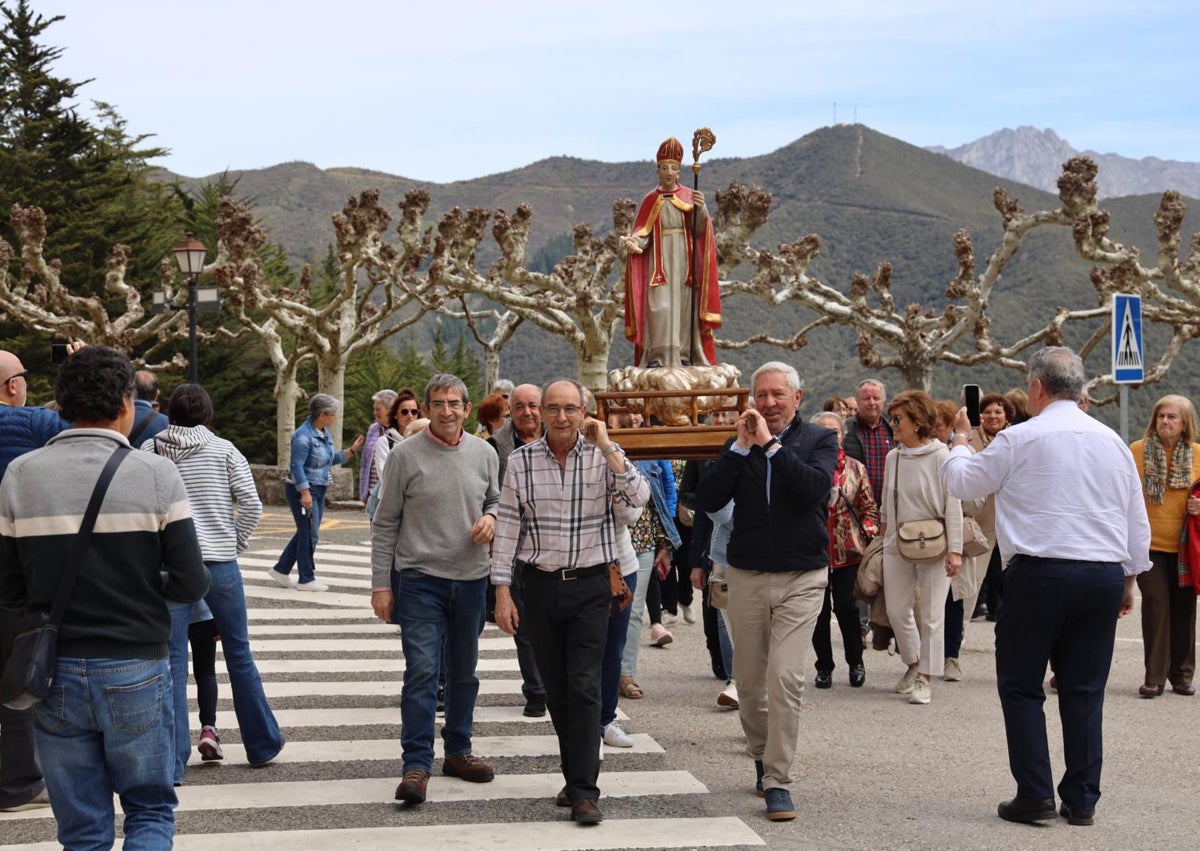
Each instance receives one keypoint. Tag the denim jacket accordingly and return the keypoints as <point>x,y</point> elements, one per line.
<point>662,490</point>
<point>313,457</point>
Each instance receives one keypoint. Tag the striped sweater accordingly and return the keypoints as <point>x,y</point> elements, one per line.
<point>143,549</point>
<point>225,505</point>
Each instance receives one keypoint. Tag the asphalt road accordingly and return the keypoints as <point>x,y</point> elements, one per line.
<point>873,772</point>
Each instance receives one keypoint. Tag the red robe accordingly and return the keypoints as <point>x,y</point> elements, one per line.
<point>639,275</point>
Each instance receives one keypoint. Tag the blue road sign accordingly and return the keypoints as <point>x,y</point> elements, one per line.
<point>1128,351</point>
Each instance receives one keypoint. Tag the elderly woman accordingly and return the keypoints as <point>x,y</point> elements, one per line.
<point>914,491</point>
<point>853,521</point>
<point>1168,460</point>
<point>309,473</point>
<point>405,410</point>
<point>381,404</point>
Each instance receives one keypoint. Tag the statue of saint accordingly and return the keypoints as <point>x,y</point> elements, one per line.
<point>671,308</point>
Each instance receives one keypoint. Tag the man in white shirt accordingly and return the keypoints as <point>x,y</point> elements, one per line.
<point>1071,526</point>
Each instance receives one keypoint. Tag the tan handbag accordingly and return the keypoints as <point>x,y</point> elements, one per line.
<point>975,542</point>
<point>918,540</point>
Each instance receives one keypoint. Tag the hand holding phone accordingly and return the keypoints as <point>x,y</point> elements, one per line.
<point>971,395</point>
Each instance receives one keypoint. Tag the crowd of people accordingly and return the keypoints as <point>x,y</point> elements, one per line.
<point>886,514</point>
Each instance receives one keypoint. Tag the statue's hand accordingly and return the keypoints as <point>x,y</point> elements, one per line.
<point>632,245</point>
<point>698,198</point>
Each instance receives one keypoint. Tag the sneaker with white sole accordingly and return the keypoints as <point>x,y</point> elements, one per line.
<point>953,672</point>
<point>728,696</point>
<point>280,579</point>
<point>669,619</point>
<point>210,744</point>
<point>905,685</point>
<point>313,585</point>
<point>660,636</point>
<point>616,737</point>
<point>921,692</point>
<point>689,616</point>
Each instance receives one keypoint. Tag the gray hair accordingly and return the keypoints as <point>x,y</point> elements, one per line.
<point>503,385</point>
<point>583,393</point>
<point>387,397</point>
<point>323,403</point>
<point>1061,372</point>
<point>451,383</point>
<point>872,382</point>
<point>789,372</point>
<point>836,419</point>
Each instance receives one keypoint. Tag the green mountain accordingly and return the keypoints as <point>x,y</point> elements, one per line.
<point>869,197</point>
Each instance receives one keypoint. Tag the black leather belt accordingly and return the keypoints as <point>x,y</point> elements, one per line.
<point>565,574</point>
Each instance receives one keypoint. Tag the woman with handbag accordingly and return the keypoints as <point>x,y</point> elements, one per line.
<point>853,521</point>
<point>922,530</point>
<point>1168,460</point>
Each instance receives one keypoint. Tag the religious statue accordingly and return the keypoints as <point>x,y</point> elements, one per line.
<point>672,303</point>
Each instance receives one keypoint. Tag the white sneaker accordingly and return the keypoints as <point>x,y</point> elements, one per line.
<point>689,617</point>
<point>314,585</point>
<point>728,696</point>
<point>668,619</point>
<point>921,692</point>
<point>905,685</point>
<point>279,578</point>
<point>953,672</point>
<point>615,737</point>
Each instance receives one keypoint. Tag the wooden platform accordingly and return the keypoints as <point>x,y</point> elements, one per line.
<point>690,441</point>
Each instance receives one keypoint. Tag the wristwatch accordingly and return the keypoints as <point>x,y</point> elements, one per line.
<point>771,444</point>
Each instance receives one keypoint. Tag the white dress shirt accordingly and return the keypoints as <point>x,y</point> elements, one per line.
<point>1066,487</point>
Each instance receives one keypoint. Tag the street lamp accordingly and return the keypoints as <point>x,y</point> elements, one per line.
<point>189,254</point>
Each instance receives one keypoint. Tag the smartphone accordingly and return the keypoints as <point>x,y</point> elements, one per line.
<point>303,511</point>
<point>58,353</point>
<point>970,393</point>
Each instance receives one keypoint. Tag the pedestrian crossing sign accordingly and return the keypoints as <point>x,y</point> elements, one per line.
<point>1128,352</point>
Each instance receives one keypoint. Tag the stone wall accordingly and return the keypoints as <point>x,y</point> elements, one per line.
<point>269,481</point>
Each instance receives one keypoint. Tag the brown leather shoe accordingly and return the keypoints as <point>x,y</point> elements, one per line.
<point>1180,687</point>
<point>468,767</point>
<point>585,811</point>
<point>412,787</point>
<point>1149,690</point>
<point>561,799</point>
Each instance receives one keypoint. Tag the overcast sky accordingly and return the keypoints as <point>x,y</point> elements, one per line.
<point>456,90</point>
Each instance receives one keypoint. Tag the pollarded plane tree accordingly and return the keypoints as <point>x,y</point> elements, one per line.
<point>40,301</point>
<point>377,294</point>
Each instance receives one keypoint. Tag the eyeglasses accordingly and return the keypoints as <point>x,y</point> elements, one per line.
<point>894,419</point>
<point>407,412</point>
<point>15,376</point>
<point>442,405</point>
<point>569,410</point>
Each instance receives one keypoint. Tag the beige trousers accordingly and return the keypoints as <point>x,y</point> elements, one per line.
<point>928,644</point>
<point>773,615</point>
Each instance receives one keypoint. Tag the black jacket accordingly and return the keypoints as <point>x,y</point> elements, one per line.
<point>788,532</point>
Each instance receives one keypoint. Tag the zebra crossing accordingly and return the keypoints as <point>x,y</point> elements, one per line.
<point>332,673</point>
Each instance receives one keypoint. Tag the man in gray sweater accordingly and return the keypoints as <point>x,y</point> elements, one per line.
<point>436,517</point>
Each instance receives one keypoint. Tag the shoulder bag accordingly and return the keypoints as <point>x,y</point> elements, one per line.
<point>917,540</point>
<point>29,671</point>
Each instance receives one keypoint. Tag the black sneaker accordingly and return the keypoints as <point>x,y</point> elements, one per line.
<point>535,707</point>
<point>824,679</point>
<point>858,675</point>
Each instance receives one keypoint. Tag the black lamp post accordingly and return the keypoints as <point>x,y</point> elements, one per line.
<point>189,254</point>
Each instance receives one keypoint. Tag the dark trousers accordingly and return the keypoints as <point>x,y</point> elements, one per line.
<point>712,635</point>
<point>1062,612</point>
<point>1168,622</point>
<point>202,636</point>
<point>953,625</point>
<point>20,774</point>
<point>839,600</point>
<point>531,680</point>
<point>568,625</point>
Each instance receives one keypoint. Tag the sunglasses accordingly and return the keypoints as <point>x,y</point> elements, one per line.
<point>15,376</point>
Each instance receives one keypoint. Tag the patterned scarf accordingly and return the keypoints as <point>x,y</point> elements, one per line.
<point>1154,481</point>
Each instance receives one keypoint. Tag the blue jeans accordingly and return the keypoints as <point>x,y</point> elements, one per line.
<point>633,638</point>
<point>105,728</point>
<point>299,550</point>
<point>227,599</point>
<point>614,649</point>
<point>181,617</point>
<point>433,611</point>
<point>726,642</point>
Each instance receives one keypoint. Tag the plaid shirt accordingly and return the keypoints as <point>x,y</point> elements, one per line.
<point>877,443</point>
<point>555,517</point>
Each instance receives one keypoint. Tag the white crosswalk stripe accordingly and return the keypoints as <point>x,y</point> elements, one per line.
<point>328,666</point>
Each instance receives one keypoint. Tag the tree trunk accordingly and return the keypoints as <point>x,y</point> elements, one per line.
<point>592,369</point>
<point>491,366</point>
<point>331,379</point>
<point>287,391</point>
